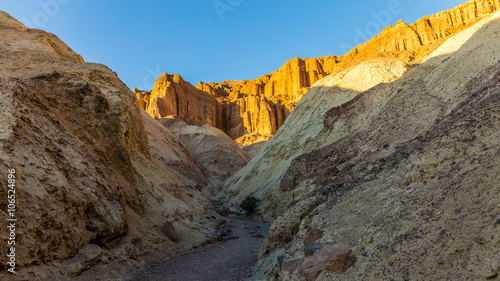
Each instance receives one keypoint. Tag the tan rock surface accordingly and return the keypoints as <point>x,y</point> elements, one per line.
<point>93,186</point>
<point>416,192</point>
<point>219,156</point>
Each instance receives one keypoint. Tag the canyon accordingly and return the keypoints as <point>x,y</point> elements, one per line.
<point>381,164</point>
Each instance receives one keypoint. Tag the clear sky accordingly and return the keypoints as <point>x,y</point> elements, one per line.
<point>212,40</point>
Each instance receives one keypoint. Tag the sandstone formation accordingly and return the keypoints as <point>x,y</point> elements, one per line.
<point>95,181</point>
<point>260,106</point>
<point>219,156</point>
<point>405,174</point>
<point>172,95</point>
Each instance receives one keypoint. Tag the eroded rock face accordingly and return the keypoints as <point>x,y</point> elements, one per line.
<point>416,175</point>
<point>219,156</point>
<point>172,95</point>
<point>261,106</point>
<point>92,185</point>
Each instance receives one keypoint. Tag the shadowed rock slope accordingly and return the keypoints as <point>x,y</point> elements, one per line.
<point>97,183</point>
<point>253,110</point>
<point>219,156</point>
<point>406,175</point>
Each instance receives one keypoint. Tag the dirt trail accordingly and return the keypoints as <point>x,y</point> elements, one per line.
<point>227,260</point>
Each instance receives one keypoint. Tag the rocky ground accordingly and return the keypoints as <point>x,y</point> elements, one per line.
<point>231,258</point>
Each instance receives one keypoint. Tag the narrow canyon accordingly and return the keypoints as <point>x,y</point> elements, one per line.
<point>380,164</point>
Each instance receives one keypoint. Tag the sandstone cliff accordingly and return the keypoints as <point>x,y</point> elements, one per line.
<point>254,108</point>
<point>172,95</point>
<point>405,174</point>
<point>97,183</point>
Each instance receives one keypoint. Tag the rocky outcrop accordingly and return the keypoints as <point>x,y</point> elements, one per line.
<point>404,174</point>
<point>95,180</point>
<point>415,41</point>
<point>219,156</point>
<point>172,95</point>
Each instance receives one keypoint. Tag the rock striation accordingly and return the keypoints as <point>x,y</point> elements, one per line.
<point>96,180</point>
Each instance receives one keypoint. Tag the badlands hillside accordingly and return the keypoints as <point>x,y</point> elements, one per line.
<point>98,181</point>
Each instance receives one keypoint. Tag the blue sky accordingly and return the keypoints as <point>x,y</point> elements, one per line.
<point>212,40</point>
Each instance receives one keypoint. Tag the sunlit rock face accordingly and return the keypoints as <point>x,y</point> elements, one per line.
<point>366,66</point>
<point>97,177</point>
<point>259,107</point>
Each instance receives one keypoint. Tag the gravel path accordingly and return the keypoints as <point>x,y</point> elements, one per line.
<point>227,260</point>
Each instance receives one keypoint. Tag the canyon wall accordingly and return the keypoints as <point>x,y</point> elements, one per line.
<point>99,184</point>
<point>405,175</point>
<point>359,71</point>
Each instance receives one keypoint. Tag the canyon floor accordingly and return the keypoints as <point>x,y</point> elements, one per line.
<point>230,259</point>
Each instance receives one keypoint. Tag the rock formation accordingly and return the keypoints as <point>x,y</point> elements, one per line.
<point>405,174</point>
<point>219,156</point>
<point>360,70</point>
<point>96,182</point>
<point>259,107</point>
<point>172,95</point>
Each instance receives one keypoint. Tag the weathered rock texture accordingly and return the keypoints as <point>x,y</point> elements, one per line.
<point>174,96</point>
<point>219,156</point>
<point>259,107</point>
<point>405,174</point>
<point>96,181</point>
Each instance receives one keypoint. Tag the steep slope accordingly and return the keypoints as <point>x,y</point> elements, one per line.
<point>376,61</point>
<point>405,174</point>
<point>262,176</point>
<point>92,186</point>
<point>219,156</point>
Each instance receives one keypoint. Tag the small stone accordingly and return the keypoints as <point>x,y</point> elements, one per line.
<point>479,240</point>
<point>312,235</point>
<point>321,191</point>
<point>280,261</point>
<point>258,235</point>
<point>329,241</point>
<point>386,145</point>
<point>233,238</point>
<point>311,248</point>
<point>492,275</point>
<point>169,230</point>
<point>287,184</point>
